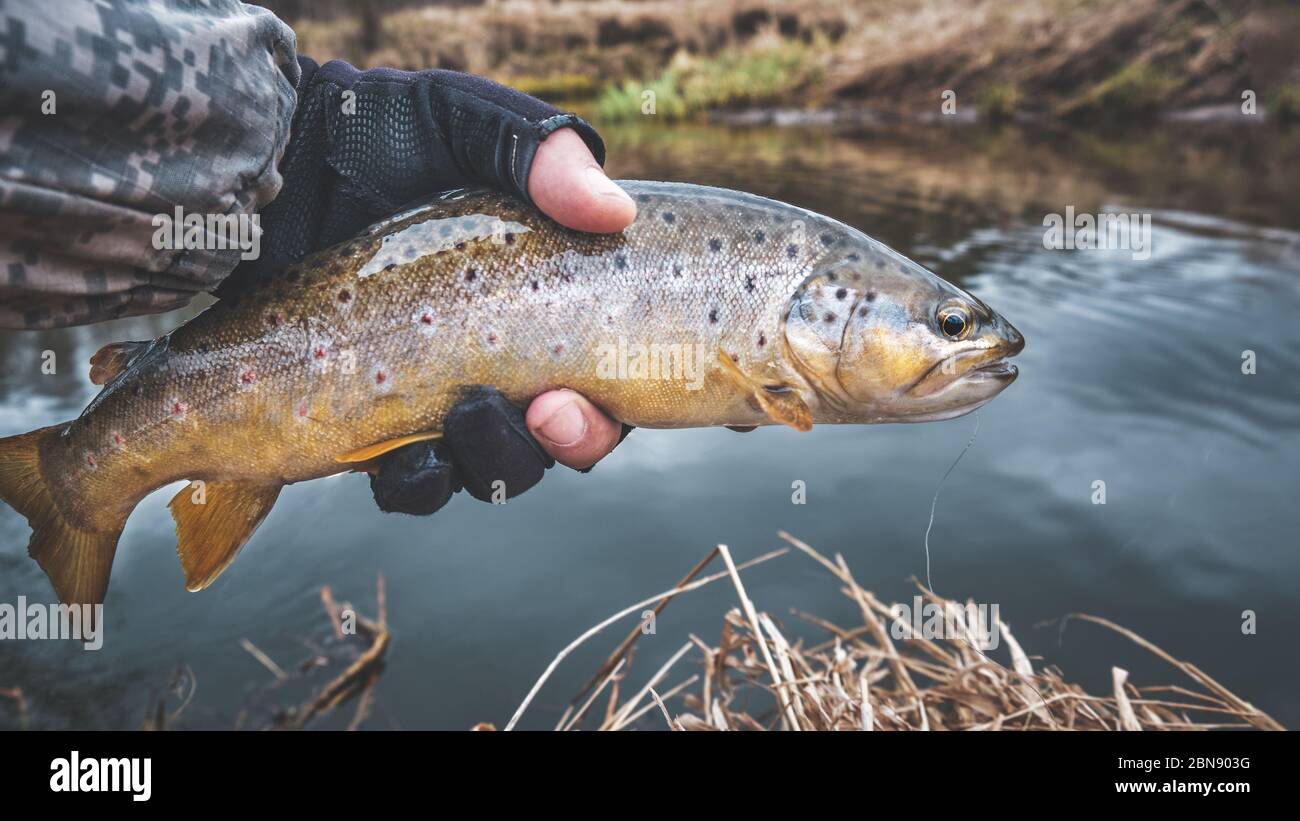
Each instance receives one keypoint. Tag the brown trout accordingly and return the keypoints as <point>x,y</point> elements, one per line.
<point>713,308</point>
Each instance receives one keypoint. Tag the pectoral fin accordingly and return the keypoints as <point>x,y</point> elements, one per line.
<point>380,448</point>
<point>213,521</point>
<point>780,402</point>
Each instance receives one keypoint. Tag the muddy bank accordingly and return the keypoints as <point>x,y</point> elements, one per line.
<point>1082,60</point>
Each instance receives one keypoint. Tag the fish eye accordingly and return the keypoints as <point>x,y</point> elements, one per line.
<point>954,321</point>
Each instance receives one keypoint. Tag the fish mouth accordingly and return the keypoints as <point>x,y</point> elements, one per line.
<point>1000,370</point>
<point>939,379</point>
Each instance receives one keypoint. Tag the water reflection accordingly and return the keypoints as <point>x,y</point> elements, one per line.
<point>1132,376</point>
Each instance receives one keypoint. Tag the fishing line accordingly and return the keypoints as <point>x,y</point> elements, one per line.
<point>935,500</point>
<point>930,586</point>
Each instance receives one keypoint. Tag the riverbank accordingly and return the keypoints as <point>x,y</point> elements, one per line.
<point>1075,60</point>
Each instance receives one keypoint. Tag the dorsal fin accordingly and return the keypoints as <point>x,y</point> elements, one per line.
<point>112,359</point>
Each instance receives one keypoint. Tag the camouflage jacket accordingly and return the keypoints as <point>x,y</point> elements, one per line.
<point>114,114</point>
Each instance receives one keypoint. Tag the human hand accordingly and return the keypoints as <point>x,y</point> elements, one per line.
<point>344,170</point>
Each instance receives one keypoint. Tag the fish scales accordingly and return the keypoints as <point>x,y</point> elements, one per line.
<point>715,307</point>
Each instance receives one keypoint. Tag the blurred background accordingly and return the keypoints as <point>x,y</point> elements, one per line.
<point>1132,374</point>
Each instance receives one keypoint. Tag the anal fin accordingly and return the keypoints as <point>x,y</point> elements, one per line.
<point>780,402</point>
<point>213,521</point>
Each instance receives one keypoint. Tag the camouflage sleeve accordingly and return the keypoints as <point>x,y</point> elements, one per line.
<point>117,117</point>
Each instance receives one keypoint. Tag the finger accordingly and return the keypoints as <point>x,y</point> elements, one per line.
<point>569,186</point>
<point>490,444</point>
<point>572,430</point>
<point>417,479</point>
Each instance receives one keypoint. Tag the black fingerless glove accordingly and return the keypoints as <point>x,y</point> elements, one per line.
<point>365,143</point>
<point>485,448</point>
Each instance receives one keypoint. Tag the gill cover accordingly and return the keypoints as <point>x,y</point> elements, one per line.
<point>820,311</point>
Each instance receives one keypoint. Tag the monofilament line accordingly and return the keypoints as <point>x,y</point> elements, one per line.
<point>935,500</point>
<point>930,586</point>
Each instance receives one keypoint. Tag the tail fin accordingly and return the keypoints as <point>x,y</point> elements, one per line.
<point>76,559</point>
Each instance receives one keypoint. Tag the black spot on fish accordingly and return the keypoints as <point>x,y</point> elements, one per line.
<point>827,239</point>
<point>669,217</point>
<point>344,295</point>
<point>871,296</point>
<point>535,285</point>
<point>832,276</point>
<point>677,270</point>
<point>762,340</point>
<point>470,275</point>
<point>863,311</point>
<point>841,293</point>
<point>620,261</point>
<point>715,245</point>
<point>791,250</point>
<point>829,318</point>
<point>749,283</point>
<point>759,236</point>
<point>510,238</point>
<point>854,257</point>
<point>713,315</point>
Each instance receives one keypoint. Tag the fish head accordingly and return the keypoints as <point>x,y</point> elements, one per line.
<point>880,338</point>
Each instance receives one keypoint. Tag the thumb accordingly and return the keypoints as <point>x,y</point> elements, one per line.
<point>570,187</point>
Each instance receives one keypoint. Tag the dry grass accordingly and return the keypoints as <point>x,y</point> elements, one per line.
<point>859,678</point>
<point>1068,58</point>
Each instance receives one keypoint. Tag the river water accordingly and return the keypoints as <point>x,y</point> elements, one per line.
<point>1132,376</point>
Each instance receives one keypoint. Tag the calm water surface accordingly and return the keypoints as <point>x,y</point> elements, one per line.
<point>1132,376</point>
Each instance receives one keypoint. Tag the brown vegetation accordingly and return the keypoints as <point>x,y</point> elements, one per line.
<point>1065,58</point>
<point>859,678</point>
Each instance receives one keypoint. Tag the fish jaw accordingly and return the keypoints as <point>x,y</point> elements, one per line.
<point>867,331</point>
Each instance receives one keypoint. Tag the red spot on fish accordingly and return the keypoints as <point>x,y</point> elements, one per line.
<point>427,319</point>
<point>380,377</point>
<point>302,410</point>
<point>118,440</point>
<point>248,377</point>
<point>492,337</point>
<point>318,352</point>
<point>90,460</point>
<point>558,349</point>
<point>178,408</point>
